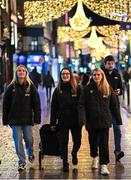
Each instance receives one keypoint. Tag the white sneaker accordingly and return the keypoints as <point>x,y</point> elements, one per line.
<point>104,171</point>
<point>94,163</point>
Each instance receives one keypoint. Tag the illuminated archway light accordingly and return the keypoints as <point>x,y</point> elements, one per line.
<point>112,9</point>
<point>94,41</point>
<point>37,12</point>
<point>66,33</point>
<point>79,21</point>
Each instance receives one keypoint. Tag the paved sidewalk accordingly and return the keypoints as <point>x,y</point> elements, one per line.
<point>52,166</point>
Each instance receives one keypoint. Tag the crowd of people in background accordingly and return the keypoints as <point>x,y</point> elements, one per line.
<point>78,99</point>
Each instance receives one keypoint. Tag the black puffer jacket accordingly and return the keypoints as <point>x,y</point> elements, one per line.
<point>95,109</point>
<point>64,107</point>
<point>19,107</point>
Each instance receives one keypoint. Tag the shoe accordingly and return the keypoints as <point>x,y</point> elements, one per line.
<point>65,167</point>
<point>74,159</point>
<point>31,158</point>
<point>94,163</point>
<point>21,167</point>
<point>119,155</point>
<point>103,170</point>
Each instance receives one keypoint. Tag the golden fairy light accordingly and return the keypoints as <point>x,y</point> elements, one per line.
<point>94,41</point>
<point>79,21</point>
<point>116,10</point>
<point>66,33</point>
<point>37,12</point>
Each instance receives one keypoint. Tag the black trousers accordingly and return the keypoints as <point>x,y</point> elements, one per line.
<point>48,92</point>
<point>64,139</point>
<point>98,140</point>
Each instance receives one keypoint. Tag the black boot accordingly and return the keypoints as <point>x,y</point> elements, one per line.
<point>74,159</point>
<point>119,155</point>
<point>65,167</point>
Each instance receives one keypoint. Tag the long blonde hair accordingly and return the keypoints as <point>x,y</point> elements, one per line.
<point>104,86</point>
<point>72,81</point>
<point>27,78</point>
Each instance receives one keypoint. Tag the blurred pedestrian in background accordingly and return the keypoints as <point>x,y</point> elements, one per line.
<point>48,83</point>
<point>85,78</point>
<point>35,77</point>
<point>114,79</point>
<point>21,110</point>
<point>96,104</point>
<point>64,111</point>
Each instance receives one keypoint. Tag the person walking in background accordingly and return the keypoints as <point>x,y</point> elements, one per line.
<point>85,78</point>
<point>35,77</point>
<point>48,82</point>
<point>126,78</point>
<point>21,110</point>
<point>96,104</point>
<point>64,110</point>
<point>114,79</point>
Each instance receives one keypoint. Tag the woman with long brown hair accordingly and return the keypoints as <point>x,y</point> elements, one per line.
<point>64,111</point>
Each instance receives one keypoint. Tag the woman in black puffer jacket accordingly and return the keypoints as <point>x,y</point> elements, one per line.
<point>21,110</point>
<point>96,105</point>
<point>64,108</point>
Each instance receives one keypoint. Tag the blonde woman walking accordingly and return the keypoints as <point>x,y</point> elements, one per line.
<point>98,102</point>
<point>21,110</point>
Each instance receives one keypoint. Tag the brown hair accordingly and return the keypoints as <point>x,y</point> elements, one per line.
<point>109,58</point>
<point>72,81</point>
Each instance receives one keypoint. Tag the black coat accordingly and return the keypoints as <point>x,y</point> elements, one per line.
<point>48,81</point>
<point>36,78</point>
<point>19,107</point>
<point>96,110</point>
<point>114,79</point>
<point>64,107</point>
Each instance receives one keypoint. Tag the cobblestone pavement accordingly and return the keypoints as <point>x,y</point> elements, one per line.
<point>52,166</point>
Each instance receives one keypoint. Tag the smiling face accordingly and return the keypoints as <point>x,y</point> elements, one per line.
<point>21,73</point>
<point>65,75</point>
<point>97,76</point>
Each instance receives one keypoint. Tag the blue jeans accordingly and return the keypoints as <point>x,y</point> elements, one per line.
<point>117,135</point>
<point>20,133</point>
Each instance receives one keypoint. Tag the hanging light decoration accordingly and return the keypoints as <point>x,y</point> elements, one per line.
<point>79,21</point>
<point>37,12</point>
<point>116,10</point>
<point>66,33</point>
<point>94,41</point>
